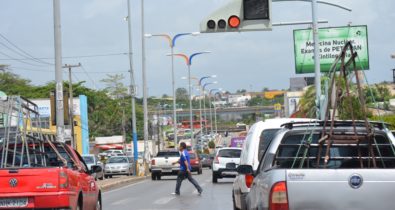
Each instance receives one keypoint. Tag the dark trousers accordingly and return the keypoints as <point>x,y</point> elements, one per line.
<point>181,176</point>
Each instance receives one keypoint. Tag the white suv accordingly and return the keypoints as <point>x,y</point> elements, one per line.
<point>258,139</point>
<point>225,163</point>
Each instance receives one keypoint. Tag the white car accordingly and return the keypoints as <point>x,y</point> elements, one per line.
<point>112,152</point>
<point>225,163</point>
<point>258,139</point>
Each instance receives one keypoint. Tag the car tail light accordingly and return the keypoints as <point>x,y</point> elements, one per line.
<point>153,162</point>
<point>249,179</point>
<point>278,197</point>
<point>63,180</point>
<point>216,160</point>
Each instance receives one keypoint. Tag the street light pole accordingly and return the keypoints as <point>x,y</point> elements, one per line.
<point>172,43</point>
<point>204,98</point>
<point>132,93</point>
<point>316,59</point>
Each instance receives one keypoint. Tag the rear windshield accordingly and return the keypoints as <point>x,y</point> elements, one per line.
<point>88,159</point>
<point>117,160</point>
<point>265,140</point>
<point>296,151</point>
<point>192,155</point>
<point>168,154</point>
<point>229,153</point>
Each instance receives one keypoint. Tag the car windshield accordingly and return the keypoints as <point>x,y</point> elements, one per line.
<point>229,153</point>
<point>88,159</point>
<point>168,154</point>
<point>192,155</point>
<point>117,160</point>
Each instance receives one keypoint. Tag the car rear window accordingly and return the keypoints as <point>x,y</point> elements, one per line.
<point>117,160</point>
<point>265,140</point>
<point>192,155</point>
<point>168,154</point>
<point>229,153</point>
<point>88,159</point>
<point>295,151</point>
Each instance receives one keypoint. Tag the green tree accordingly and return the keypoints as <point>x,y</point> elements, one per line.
<point>182,94</point>
<point>114,86</point>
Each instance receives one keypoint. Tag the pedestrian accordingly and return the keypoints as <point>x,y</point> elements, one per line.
<point>185,170</point>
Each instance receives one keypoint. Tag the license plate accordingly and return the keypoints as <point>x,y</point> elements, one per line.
<point>166,170</point>
<point>13,202</point>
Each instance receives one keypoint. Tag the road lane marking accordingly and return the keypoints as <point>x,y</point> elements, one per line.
<point>163,200</point>
<point>120,202</point>
<point>130,185</point>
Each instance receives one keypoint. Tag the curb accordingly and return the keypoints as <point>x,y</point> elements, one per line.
<point>110,186</point>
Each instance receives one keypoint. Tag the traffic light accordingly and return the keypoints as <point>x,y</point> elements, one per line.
<point>238,16</point>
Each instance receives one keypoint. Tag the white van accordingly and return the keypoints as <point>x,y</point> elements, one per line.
<point>254,147</point>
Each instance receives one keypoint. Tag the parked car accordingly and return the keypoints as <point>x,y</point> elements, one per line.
<point>118,165</point>
<point>316,167</point>
<point>92,160</point>
<point>196,164</point>
<point>61,180</point>
<point>111,152</point>
<point>206,160</point>
<point>162,164</point>
<point>225,163</point>
<point>258,137</point>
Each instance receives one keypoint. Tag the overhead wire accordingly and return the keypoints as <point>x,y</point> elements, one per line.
<point>21,61</point>
<point>24,52</point>
<point>72,57</point>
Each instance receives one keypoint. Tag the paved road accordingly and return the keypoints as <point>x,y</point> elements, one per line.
<point>152,195</point>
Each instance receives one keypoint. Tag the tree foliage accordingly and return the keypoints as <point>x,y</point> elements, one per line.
<point>104,112</point>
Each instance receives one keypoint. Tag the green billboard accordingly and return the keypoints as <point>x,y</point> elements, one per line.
<point>331,42</point>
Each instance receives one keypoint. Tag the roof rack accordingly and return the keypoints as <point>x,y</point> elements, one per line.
<point>337,123</point>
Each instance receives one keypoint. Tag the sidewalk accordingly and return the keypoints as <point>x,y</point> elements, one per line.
<point>118,181</point>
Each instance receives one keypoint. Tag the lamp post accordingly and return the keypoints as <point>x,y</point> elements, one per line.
<point>172,43</point>
<point>188,61</point>
<point>211,115</point>
<point>200,101</point>
<point>204,98</point>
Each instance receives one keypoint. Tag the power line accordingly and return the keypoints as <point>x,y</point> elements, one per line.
<point>28,55</point>
<point>72,57</point>
<point>25,57</point>
<point>21,61</point>
<point>90,72</point>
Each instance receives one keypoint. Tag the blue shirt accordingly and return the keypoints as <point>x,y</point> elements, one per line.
<point>184,155</point>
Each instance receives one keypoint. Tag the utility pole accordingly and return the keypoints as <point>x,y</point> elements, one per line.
<point>71,109</point>
<point>145,91</point>
<point>58,73</point>
<point>317,65</point>
<point>133,93</point>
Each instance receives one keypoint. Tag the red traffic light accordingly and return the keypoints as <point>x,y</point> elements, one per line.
<point>234,21</point>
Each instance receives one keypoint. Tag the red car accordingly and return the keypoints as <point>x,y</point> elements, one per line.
<point>196,164</point>
<point>58,179</point>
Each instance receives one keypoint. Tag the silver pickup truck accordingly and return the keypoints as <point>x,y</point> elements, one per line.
<point>312,167</point>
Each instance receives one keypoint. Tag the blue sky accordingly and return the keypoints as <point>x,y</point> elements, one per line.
<point>250,60</point>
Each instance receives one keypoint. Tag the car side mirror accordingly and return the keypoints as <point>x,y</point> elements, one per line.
<point>96,169</point>
<point>245,169</point>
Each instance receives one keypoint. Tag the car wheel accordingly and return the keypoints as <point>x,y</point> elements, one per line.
<point>106,176</point>
<point>110,176</point>
<point>153,176</point>
<point>215,178</point>
<point>98,205</point>
<point>234,203</point>
<point>200,171</point>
